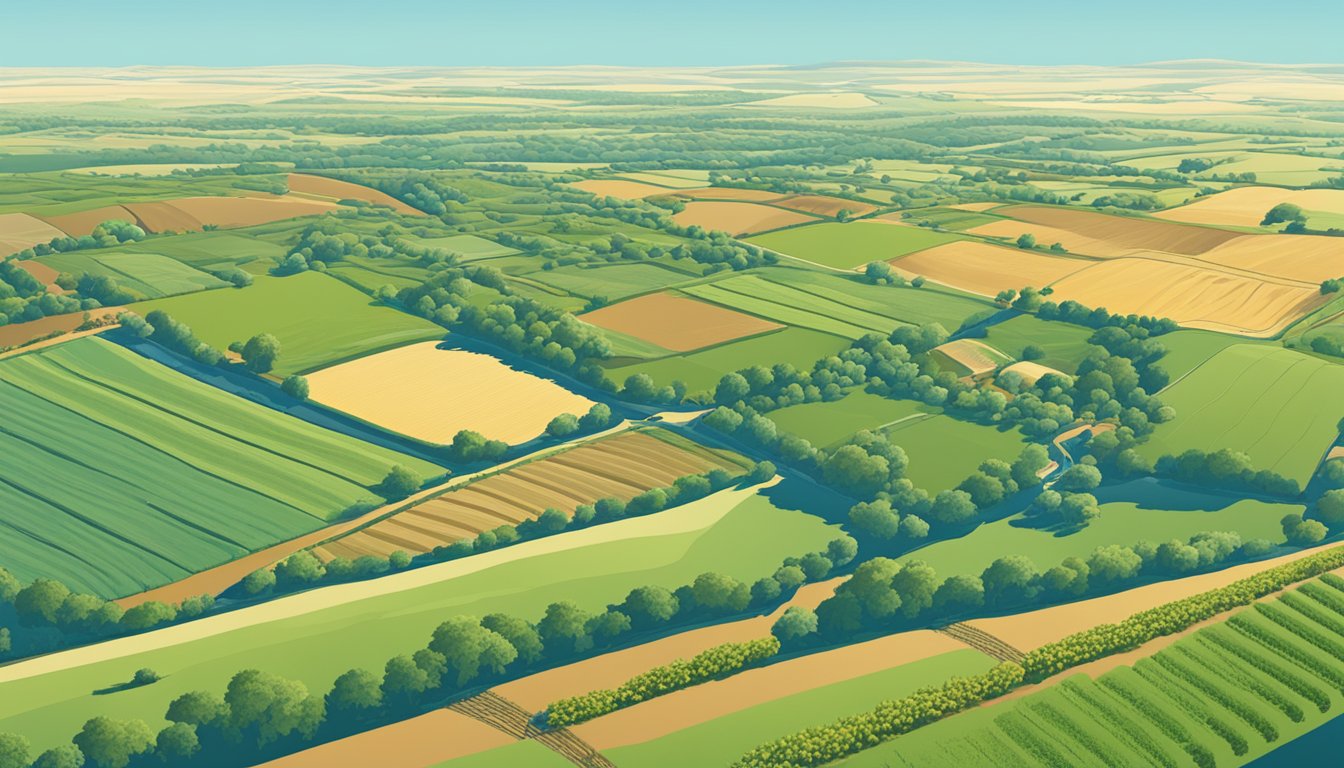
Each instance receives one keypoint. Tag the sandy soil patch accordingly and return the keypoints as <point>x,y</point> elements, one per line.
<point>987,269</point>
<point>336,190</point>
<point>1101,234</point>
<point>691,517</point>
<point>677,323</point>
<point>1247,206</point>
<point>431,394</point>
<point>817,101</point>
<point>19,231</point>
<point>163,217</point>
<point>1032,372</point>
<point>702,703</point>
<point>823,205</point>
<point>738,218</point>
<point>625,190</point>
<point>19,333</point>
<point>420,742</point>
<point>609,670</point>
<point>84,222</point>
<point>1309,258</point>
<point>624,466</point>
<point>1029,631</point>
<point>1192,296</point>
<point>230,212</point>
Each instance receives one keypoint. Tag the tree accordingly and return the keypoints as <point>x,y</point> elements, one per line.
<point>795,624</point>
<point>952,508</point>
<point>403,681</point>
<point>1025,467</point>
<point>177,743</point>
<point>719,593</point>
<point>14,751</point>
<point>39,602</point>
<point>1009,580</point>
<point>649,607</point>
<point>1026,241</point>
<point>470,649</point>
<point>300,569</point>
<point>876,519</point>
<point>148,614</point>
<point>1114,563</point>
<point>1283,212</point>
<point>64,756</point>
<point>853,470</point>
<point>959,593</point>
<point>1079,477</point>
<point>264,707</point>
<point>108,743</point>
<point>399,483</point>
<point>563,630</point>
<point>353,693</point>
<point>258,581</point>
<point>197,708</point>
<point>1330,508</point>
<point>597,417</point>
<point>520,633</point>
<point>295,386</point>
<point>563,425</point>
<point>260,352</point>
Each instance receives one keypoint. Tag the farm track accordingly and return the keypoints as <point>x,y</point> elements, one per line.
<point>510,718</point>
<point>983,641</point>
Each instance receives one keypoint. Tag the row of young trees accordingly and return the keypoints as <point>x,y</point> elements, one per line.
<point>262,715</point>
<point>884,594</point>
<point>826,744</point>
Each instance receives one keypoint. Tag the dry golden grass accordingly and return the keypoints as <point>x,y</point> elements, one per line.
<point>1119,235</point>
<point>335,189</point>
<point>1031,372</point>
<point>431,394</point>
<point>1247,206</point>
<point>817,101</point>
<point>971,355</point>
<point>1192,296</point>
<point>84,222</point>
<point>426,740</point>
<point>822,205</point>
<point>624,465</point>
<point>163,217</point>
<point>738,218</point>
<point>227,212</point>
<point>1309,258</point>
<point>987,269</point>
<point>620,188</point>
<point>677,323</point>
<point>19,231</point>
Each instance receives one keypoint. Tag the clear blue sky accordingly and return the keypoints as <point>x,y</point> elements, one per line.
<point>671,32</point>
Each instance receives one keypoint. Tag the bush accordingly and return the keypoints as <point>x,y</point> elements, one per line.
<point>295,386</point>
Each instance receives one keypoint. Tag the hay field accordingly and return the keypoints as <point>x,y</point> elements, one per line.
<point>230,212</point>
<point>731,193</point>
<point>677,323</point>
<point>624,465</point>
<point>1192,296</point>
<point>1032,372</point>
<point>431,394</point>
<point>737,218</point>
<point>817,101</point>
<point>318,319</point>
<point>118,474</point>
<point>1309,258</point>
<point>84,222</point>
<point>1278,406</point>
<point>163,217</point>
<point>335,189</point>
<point>823,205</point>
<point>1247,206</point>
<point>987,269</point>
<point>19,231</point>
<point>625,190</point>
<point>1101,234</point>
<point>850,245</point>
<point>974,356</point>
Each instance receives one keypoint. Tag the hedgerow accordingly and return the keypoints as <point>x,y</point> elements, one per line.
<point>719,661</point>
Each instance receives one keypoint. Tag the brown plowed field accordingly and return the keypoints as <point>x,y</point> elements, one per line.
<point>19,231</point>
<point>823,205</point>
<point>738,218</point>
<point>1122,233</point>
<point>623,465</point>
<point>227,212</point>
<point>84,222</point>
<point>46,274</point>
<point>1192,296</point>
<point>163,217</point>
<point>20,333</point>
<point>1309,258</point>
<point>336,189</point>
<point>987,269</point>
<point>677,323</point>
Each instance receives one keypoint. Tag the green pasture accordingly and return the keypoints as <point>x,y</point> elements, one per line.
<point>148,274</point>
<point>318,319</point>
<point>943,451</point>
<point>850,245</point>
<point>827,424</point>
<point>701,370</point>
<point>1065,345</point>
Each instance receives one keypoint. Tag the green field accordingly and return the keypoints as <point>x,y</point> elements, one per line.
<point>702,370</point>
<point>950,218</point>
<point>591,567</point>
<point>1189,349</point>
<point>120,474</point>
<point>1065,344</point>
<point>149,274</point>
<point>792,306</point>
<point>944,451</point>
<point>213,250</point>
<point>468,247</point>
<point>1228,693</point>
<point>318,319</point>
<point>1280,407</point>
<point>916,306</point>
<point>828,424</point>
<point>846,246</point>
<point>723,740</point>
<point>1137,511</point>
<point>528,753</point>
<point>612,282</point>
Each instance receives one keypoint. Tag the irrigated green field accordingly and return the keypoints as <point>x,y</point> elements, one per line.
<point>1280,407</point>
<point>846,246</point>
<point>363,625</point>
<point>318,319</point>
<point>120,474</point>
